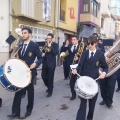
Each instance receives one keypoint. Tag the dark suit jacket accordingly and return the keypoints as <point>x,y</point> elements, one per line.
<point>97,62</point>
<point>50,57</point>
<point>30,55</point>
<point>71,54</point>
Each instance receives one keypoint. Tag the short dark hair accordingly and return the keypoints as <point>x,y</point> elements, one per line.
<point>92,39</point>
<point>28,29</point>
<point>50,34</point>
<point>76,36</point>
<point>95,34</point>
<point>100,39</point>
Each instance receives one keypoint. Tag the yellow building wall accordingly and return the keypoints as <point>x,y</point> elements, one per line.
<point>70,24</point>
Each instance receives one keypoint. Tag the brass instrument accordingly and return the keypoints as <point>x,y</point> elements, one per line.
<point>18,41</point>
<point>47,46</point>
<point>79,52</point>
<point>114,58</point>
<point>64,55</point>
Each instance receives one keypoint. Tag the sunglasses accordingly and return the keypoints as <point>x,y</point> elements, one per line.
<point>90,43</point>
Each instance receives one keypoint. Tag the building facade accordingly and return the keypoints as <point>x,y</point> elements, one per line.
<point>115,7</point>
<point>4,30</point>
<point>88,17</point>
<point>67,19</point>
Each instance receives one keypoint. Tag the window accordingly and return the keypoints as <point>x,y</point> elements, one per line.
<point>62,15</point>
<point>47,9</point>
<point>27,7</point>
<point>38,34</point>
<point>94,8</point>
<point>102,23</point>
<point>85,8</point>
<point>85,5</point>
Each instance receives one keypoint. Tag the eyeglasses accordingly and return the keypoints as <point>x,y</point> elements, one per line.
<point>90,43</point>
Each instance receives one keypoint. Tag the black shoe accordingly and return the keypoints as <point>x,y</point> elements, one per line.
<point>14,115</point>
<point>102,103</point>
<point>109,106</point>
<point>0,102</point>
<point>73,98</point>
<point>49,95</point>
<point>27,114</point>
<point>117,90</point>
<point>47,90</point>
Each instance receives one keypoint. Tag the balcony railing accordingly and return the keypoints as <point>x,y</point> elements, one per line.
<point>62,15</point>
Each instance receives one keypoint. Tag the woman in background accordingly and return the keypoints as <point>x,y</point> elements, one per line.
<point>66,67</point>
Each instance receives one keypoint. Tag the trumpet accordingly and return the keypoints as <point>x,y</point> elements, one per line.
<point>46,47</point>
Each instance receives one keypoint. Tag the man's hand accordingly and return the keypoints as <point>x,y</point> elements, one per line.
<point>102,76</point>
<point>43,54</point>
<point>33,66</point>
<point>74,71</point>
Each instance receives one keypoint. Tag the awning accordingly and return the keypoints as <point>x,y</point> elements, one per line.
<point>87,31</point>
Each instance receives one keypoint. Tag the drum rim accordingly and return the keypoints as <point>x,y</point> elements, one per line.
<point>26,66</point>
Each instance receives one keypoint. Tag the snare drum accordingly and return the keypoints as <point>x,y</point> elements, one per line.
<point>15,75</point>
<point>86,87</point>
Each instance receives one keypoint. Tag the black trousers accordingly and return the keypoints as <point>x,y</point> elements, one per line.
<point>17,99</point>
<point>66,69</point>
<point>118,78</point>
<point>81,115</point>
<point>107,87</point>
<point>72,84</point>
<point>48,77</point>
<point>0,100</point>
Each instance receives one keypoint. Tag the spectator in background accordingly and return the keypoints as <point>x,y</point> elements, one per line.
<point>100,46</point>
<point>66,68</point>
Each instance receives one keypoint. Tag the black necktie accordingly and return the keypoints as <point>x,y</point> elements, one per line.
<point>23,50</point>
<point>91,57</point>
<point>74,49</point>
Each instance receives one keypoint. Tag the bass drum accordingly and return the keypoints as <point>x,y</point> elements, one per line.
<point>86,87</point>
<point>15,75</point>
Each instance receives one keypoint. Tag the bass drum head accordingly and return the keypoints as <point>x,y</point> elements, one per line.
<point>87,85</point>
<point>17,73</point>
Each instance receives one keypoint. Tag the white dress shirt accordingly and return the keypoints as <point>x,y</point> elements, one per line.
<point>72,48</point>
<point>91,52</point>
<point>24,46</point>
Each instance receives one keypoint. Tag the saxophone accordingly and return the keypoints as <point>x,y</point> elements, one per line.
<point>114,58</point>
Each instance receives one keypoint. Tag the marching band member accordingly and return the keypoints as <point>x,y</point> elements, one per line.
<point>28,52</point>
<point>66,67</point>
<point>49,63</point>
<point>89,65</point>
<point>107,87</point>
<point>73,49</point>
<point>118,80</point>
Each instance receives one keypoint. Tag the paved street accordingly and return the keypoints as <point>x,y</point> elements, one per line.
<point>57,107</point>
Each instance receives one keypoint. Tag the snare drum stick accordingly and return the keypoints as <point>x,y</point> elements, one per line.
<point>77,73</point>
<point>97,79</point>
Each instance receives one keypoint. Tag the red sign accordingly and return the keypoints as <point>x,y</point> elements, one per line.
<point>72,16</point>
